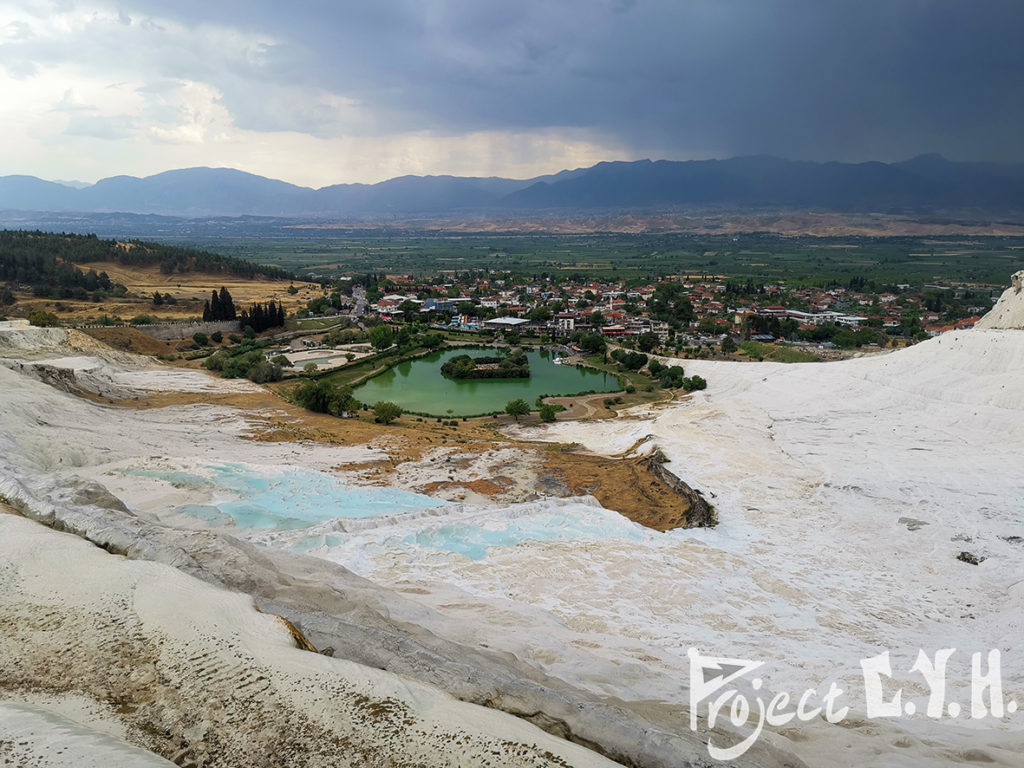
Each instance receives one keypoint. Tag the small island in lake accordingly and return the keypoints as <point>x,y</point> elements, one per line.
<point>512,366</point>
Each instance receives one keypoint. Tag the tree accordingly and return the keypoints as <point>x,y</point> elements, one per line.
<point>728,345</point>
<point>593,343</point>
<point>547,412</point>
<point>517,408</point>
<point>227,306</point>
<point>381,337</point>
<point>385,411</point>
<point>647,341</point>
<point>6,297</point>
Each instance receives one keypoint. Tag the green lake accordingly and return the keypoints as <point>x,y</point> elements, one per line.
<point>418,386</point>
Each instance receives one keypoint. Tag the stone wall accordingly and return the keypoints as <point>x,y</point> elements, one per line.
<point>165,331</point>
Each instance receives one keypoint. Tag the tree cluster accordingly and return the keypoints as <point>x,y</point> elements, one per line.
<point>31,258</point>
<point>670,377</point>
<point>513,366</point>
<point>671,304</point>
<point>631,361</point>
<point>219,307</point>
<point>260,317</point>
<point>247,362</point>
<point>89,248</point>
<point>161,299</point>
<point>324,397</point>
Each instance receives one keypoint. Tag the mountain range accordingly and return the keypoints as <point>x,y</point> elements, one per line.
<point>927,182</point>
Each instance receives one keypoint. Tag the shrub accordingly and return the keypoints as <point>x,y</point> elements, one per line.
<point>385,412</point>
<point>264,372</point>
<point>201,339</point>
<point>43,319</point>
<point>547,412</point>
<point>217,360</point>
<point>694,383</point>
<point>217,337</point>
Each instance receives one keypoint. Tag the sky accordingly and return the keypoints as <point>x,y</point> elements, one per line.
<point>318,92</point>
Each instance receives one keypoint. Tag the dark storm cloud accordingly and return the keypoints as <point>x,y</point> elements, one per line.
<point>818,79</point>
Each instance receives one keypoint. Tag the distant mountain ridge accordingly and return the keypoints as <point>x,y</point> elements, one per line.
<point>925,182</point>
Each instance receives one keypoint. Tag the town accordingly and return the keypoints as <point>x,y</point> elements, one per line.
<point>687,315</point>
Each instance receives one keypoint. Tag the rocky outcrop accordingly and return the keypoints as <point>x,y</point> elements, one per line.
<point>701,514</point>
<point>1008,313</point>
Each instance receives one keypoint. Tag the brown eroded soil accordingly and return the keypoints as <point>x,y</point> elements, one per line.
<point>624,484</point>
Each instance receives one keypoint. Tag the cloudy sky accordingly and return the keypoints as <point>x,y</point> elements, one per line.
<point>326,91</point>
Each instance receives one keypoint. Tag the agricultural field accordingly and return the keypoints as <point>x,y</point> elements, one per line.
<point>324,254</point>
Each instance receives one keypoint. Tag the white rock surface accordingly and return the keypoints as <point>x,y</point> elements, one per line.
<point>845,490</point>
<point>204,678</point>
<point>1009,310</point>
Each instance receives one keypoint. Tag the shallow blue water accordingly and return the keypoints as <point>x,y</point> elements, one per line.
<point>294,500</point>
<point>285,500</point>
<point>474,540</point>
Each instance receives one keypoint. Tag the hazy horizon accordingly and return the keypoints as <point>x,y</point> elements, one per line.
<point>79,183</point>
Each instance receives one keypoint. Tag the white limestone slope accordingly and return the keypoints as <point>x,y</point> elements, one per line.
<point>225,683</point>
<point>846,491</point>
<point>76,362</point>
